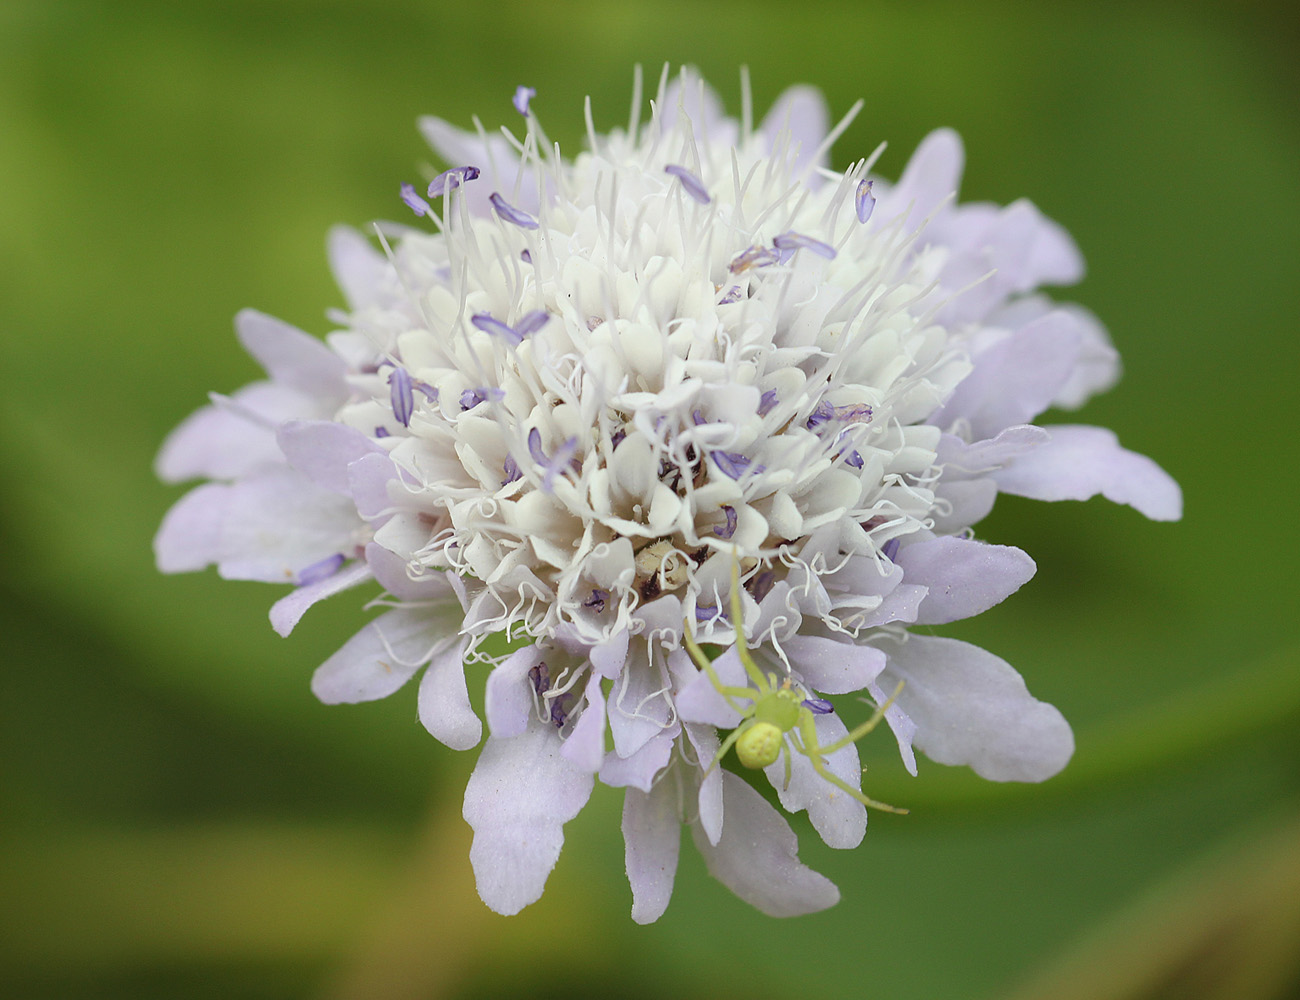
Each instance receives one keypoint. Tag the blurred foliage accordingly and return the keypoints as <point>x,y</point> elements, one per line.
<point>181,819</point>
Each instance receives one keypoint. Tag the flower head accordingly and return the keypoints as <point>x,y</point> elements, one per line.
<point>700,427</point>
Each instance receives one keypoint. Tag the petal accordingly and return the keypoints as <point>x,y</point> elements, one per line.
<point>932,174</point>
<point>653,837</point>
<point>757,857</point>
<point>699,700</point>
<point>641,768</point>
<point>800,110</point>
<point>322,451</point>
<point>639,705</point>
<point>291,357</point>
<point>608,658</point>
<point>288,610</point>
<point>964,577</point>
<point>518,799</point>
<point>839,818</point>
<point>900,723</point>
<point>831,666</point>
<point>391,570</point>
<point>492,154</point>
<point>190,535</point>
<point>508,699</point>
<point>970,707</point>
<point>1080,462</point>
<point>377,660</point>
<point>360,270</point>
<point>585,745</point>
<point>704,741</point>
<point>443,701</point>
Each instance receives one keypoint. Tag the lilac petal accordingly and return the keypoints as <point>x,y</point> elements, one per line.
<point>864,202</point>
<point>982,457</point>
<point>511,214</point>
<point>287,611</point>
<point>1017,378</point>
<point>585,745</point>
<point>368,481</point>
<point>964,577</point>
<point>508,702</point>
<point>190,535</point>
<point>1080,462</point>
<point>390,570</point>
<point>443,701</point>
<point>704,741</point>
<point>414,202</point>
<point>691,184</point>
<point>797,241</point>
<point>970,707</point>
<point>377,660</point>
<point>522,96</point>
<point>451,179</point>
<point>641,768</point>
<point>291,357</point>
<point>232,439</point>
<point>698,700</point>
<point>840,819</point>
<point>358,268</point>
<point>802,111</point>
<point>931,175</point>
<point>900,723</point>
<point>652,834</point>
<point>322,450</point>
<point>608,658</point>
<point>831,666</point>
<point>636,712</point>
<point>518,799</point>
<point>757,857</point>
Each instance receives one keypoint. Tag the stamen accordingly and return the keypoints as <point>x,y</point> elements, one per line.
<point>522,96</point>
<point>864,201</point>
<point>400,396</point>
<point>511,214</point>
<point>451,179</point>
<point>754,256</point>
<point>733,295</point>
<point>890,549</point>
<point>691,184</point>
<point>766,402</point>
<point>382,432</point>
<point>318,571</point>
<point>797,241</point>
<point>818,706</point>
<point>530,323</point>
<point>414,202</point>
<point>761,585</point>
<point>730,528</point>
<point>511,468</point>
<point>597,599</point>
<point>733,463</point>
<point>540,675</point>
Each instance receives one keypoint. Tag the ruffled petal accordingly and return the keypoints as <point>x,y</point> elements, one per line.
<point>964,577</point>
<point>190,535</point>
<point>291,357</point>
<point>443,702</point>
<point>1080,462</point>
<point>322,450</point>
<point>641,768</point>
<point>970,707</point>
<point>757,857</point>
<point>508,701</point>
<point>518,799</point>
<point>800,111</point>
<point>377,660</point>
<point>840,819</point>
<point>932,174</point>
<point>585,745</point>
<point>652,835</point>
<point>831,666</point>
<point>704,741</point>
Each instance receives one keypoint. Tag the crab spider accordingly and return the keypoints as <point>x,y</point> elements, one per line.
<point>777,710</point>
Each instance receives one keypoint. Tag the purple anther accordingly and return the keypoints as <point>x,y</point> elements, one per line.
<point>522,96</point>
<point>319,571</point>
<point>540,675</point>
<point>531,322</point>
<point>890,549</point>
<point>451,179</point>
<point>730,529</point>
<point>821,413</point>
<point>401,396</point>
<point>470,398</point>
<point>511,468</point>
<point>525,256</point>
<point>854,460</point>
<point>597,600</point>
<point>864,201</point>
<point>761,585</point>
<point>733,463</point>
<point>766,402</point>
<point>535,447</point>
<point>697,417</point>
<point>797,241</point>
<point>382,432</point>
<point>706,612</point>
<point>413,201</point>
<point>691,184</point>
<point>511,214</point>
<point>849,413</point>
<point>753,257</point>
<point>430,393</point>
<point>562,459</point>
<point>558,714</point>
<point>818,706</point>
<point>733,295</point>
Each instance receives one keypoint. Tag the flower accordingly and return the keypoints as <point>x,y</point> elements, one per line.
<point>690,395</point>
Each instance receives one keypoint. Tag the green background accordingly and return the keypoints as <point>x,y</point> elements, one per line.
<point>180,818</point>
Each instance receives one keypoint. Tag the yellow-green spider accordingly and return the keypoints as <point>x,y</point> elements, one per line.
<point>777,716</point>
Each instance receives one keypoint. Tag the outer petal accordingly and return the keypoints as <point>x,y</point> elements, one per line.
<point>839,818</point>
<point>637,711</point>
<point>291,357</point>
<point>834,667</point>
<point>494,157</point>
<point>443,701</point>
<point>640,769</point>
<point>377,660</point>
<point>1080,462</point>
<point>704,741</point>
<point>508,703</point>
<point>757,857</point>
<point>288,610</point>
<point>653,836</point>
<point>190,535</point>
<point>970,707</point>
<point>360,270</point>
<point>322,450</point>
<point>802,111</point>
<point>585,746</point>
<point>518,799</point>
<point>964,577</point>
<point>932,174</point>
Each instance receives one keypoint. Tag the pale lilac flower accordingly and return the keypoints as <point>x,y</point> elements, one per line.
<point>567,417</point>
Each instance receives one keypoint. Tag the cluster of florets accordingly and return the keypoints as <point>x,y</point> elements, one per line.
<point>700,427</point>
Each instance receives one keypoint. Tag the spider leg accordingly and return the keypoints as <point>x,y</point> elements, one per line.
<point>817,758</point>
<point>727,744</point>
<point>706,665</point>
<point>738,623</point>
<point>866,727</point>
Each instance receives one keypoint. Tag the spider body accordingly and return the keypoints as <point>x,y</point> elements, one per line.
<point>777,717</point>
